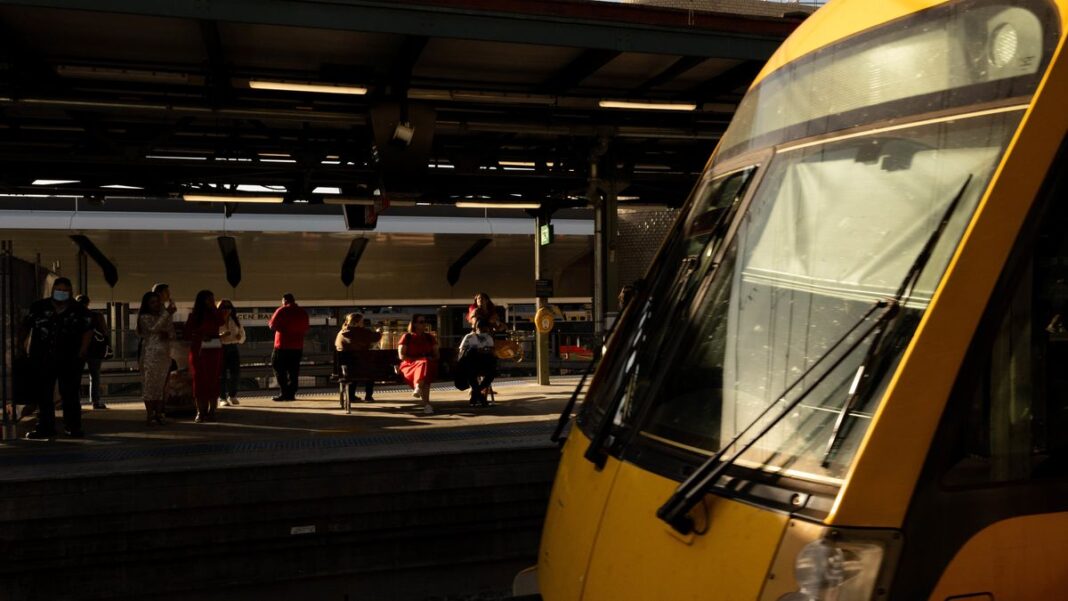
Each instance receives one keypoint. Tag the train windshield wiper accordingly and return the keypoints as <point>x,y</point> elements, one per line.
<point>675,511</point>
<point>864,377</point>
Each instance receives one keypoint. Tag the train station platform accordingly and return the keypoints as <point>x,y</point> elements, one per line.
<point>285,500</point>
<point>260,431</point>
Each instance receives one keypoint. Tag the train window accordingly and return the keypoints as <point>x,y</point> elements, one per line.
<point>1016,421</point>
<point>682,263</point>
<point>832,229</point>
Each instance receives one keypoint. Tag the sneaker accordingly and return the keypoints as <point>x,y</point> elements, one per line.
<point>428,410</point>
<point>234,402</point>
<point>35,435</point>
<point>279,399</point>
<point>370,400</point>
<point>416,395</point>
<point>99,405</point>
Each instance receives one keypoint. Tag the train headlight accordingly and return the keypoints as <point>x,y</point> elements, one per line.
<point>829,570</point>
<point>1004,44</point>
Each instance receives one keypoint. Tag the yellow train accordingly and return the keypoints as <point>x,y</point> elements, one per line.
<point>847,377</point>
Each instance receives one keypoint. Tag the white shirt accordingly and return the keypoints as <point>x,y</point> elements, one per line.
<point>476,342</point>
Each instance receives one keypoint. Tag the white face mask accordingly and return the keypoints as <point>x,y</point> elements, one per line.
<point>60,296</point>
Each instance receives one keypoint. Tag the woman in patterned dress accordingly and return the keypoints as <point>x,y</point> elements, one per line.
<point>155,326</point>
<point>418,350</point>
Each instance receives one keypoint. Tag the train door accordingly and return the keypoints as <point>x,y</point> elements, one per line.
<point>989,519</point>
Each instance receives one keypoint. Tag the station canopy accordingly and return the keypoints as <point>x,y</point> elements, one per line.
<point>421,102</point>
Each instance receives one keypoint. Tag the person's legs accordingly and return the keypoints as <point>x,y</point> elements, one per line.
<point>197,376</point>
<point>294,372</point>
<point>70,384</point>
<point>44,385</point>
<point>278,365</point>
<point>369,391</point>
<point>228,377</point>
<point>94,382</point>
<point>235,373</point>
<point>423,388</point>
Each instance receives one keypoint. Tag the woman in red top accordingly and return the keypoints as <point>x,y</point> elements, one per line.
<point>483,308</point>
<point>418,350</point>
<point>205,354</point>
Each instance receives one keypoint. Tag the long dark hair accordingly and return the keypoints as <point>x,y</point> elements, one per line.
<point>145,309</point>
<point>233,310</point>
<point>411,324</point>
<point>197,315</point>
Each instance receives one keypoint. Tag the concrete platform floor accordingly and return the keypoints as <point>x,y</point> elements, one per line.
<point>313,427</point>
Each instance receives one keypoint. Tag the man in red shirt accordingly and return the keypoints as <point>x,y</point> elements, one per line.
<point>289,324</point>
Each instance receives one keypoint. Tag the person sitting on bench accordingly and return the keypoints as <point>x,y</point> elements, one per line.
<point>477,363</point>
<point>354,338</point>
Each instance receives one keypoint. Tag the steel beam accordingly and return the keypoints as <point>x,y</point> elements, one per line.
<point>449,22</point>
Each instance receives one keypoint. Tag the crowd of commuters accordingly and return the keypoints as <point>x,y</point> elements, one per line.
<point>61,337</point>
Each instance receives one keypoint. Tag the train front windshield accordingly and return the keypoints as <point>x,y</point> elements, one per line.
<point>849,190</point>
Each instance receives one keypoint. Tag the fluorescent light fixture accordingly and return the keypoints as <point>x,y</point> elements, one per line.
<point>626,198</point>
<point>318,88</point>
<point>498,205</point>
<point>54,182</point>
<point>517,163</point>
<point>122,187</point>
<point>85,72</point>
<point>232,198</point>
<point>647,106</point>
<point>175,157</point>
<point>256,188</point>
<point>326,190</point>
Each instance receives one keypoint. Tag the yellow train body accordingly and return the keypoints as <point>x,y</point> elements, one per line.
<point>950,502</point>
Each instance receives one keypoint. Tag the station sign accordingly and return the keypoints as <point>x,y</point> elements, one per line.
<point>545,234</point>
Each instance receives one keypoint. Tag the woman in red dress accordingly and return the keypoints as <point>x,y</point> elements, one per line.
<point>418,350</point>
<point>205,354</point>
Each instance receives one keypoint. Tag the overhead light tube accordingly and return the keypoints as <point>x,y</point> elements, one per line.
<point>498,205</point>
<point>318,88</point>
<point>232,198</point>
<point>647,106</point>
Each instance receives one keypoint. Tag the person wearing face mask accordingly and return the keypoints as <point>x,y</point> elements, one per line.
<point>55,335</point>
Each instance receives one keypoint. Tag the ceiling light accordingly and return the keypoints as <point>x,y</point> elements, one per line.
<point>318,88</point>
<point>326,190</point>
<point>107,73</point>
<point>646,106</point>
<point>54,182</point>
<point>231,198</point>
<point>517,163</point>
<point>258,188</point>
<point>122,187</point>
<point>498,205</point>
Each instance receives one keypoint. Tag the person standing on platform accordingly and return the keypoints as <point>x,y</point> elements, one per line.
<point>155,326</point>
<point>418,350</point>
<point>233,335</point>
<point>205,354</point>
<point>58,332</point>
<point>289,324</point>
<point>98,351</point>
<point>355,337</point>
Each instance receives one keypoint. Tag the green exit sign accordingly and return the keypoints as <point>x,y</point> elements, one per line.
<point>545,234</point>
